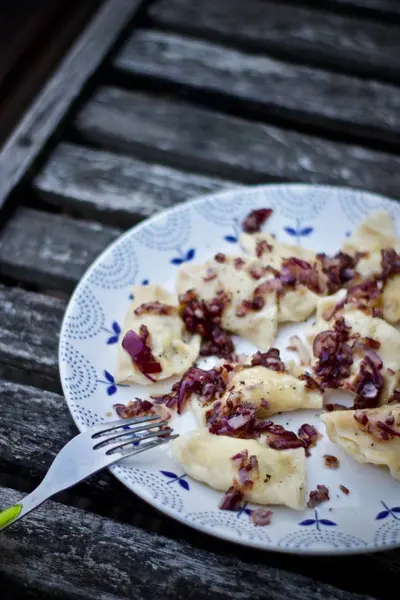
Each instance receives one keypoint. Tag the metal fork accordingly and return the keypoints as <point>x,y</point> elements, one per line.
<point>89,452</point>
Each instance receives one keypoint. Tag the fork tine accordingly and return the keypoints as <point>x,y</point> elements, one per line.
<point>156,434</point>
<point>104,428</point>
<point>138,449</point>
<point>105,439</point>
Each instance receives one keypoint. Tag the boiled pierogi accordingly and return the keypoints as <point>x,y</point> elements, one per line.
<point>249,311</point>
<point>369,436</point>
<point>208,458</point>
<point>159,338</point>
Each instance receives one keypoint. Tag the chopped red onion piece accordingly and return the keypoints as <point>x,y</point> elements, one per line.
<point>318,496</point>
<point>344,489</point>
<point>140,352</point>
<point>232,499</point>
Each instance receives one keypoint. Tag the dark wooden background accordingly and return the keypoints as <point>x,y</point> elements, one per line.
<point>172,99</point>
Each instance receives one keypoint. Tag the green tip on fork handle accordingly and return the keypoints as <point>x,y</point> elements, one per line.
<point>9,515</point>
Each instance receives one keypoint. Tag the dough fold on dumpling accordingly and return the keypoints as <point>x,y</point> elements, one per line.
<point>208,458</point>
<point>170,344</point>
<point>369,436</point>
<point>239,279</point>
<point>272,391</point>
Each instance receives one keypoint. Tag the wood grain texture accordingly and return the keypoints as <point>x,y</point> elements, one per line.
<point>115,189</point>
<point>51,251</point>
<point>49,107</point>
<point>74,554</point>
<point>34,426</point>
<point>308,35</point>
<point>29,331</point>
<point>199,139</point>
<point>277,88</point>
<point>382,7</point>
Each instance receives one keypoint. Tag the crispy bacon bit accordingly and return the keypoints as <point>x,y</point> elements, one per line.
<point>344,489</point>
<point>371,343</point>
<point>311,383</point>
<point>140,352</point>
<point>220,257</point>
<point>256,219</point>
<point>280,438</point>
<point>297,345</point>
<point>232,499</point>
<point>261,247</point>
<point>271,360</point>
<point>210,275</point>
<point>331,461</point>
<point>208,385</point>
<point>154,308</point>
<point>334,355</point>
<point>135,409</point>
<point>246,306</point>
<point>204,317</point>
<point>390,263</point>
<point>261,517</point>
<point>331,407</point>
<point>238,263</point>
<point>339,269</point>
<point>295,270</point>
<point>369,383</point>
<point>309,435</point>
<point>321,494</point>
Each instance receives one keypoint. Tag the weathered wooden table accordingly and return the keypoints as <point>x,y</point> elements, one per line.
<point>158,102</point>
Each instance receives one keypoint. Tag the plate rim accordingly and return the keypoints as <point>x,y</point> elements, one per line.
<point>170,512</point>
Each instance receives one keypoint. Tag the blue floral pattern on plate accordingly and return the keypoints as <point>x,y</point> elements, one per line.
<point>316,216</point>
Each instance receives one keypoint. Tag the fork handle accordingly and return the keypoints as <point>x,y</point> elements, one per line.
<point>30,502</point>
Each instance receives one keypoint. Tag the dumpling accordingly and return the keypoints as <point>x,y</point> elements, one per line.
<point>208,458</point>
<point>364,328</point>
<point>377,232</point>
<point>240,280</point>
<point>272,391</point>
<point>295,305</point>
<point>170,345</point>
<point>369,436</point>
<point>271,251</point>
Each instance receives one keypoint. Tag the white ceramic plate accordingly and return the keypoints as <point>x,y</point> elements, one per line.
<point>319,217</point>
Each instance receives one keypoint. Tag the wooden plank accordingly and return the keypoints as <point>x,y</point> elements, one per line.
<point>49,107</point>
<point>34,426</point>
<point>29,331</point>
<point>305,34</point>
<point>198,139</point>
<point>73,554</point>
<point>50,250</point>
<point>322,98</point>
<point>387,8</point>
<point>116,189</point>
